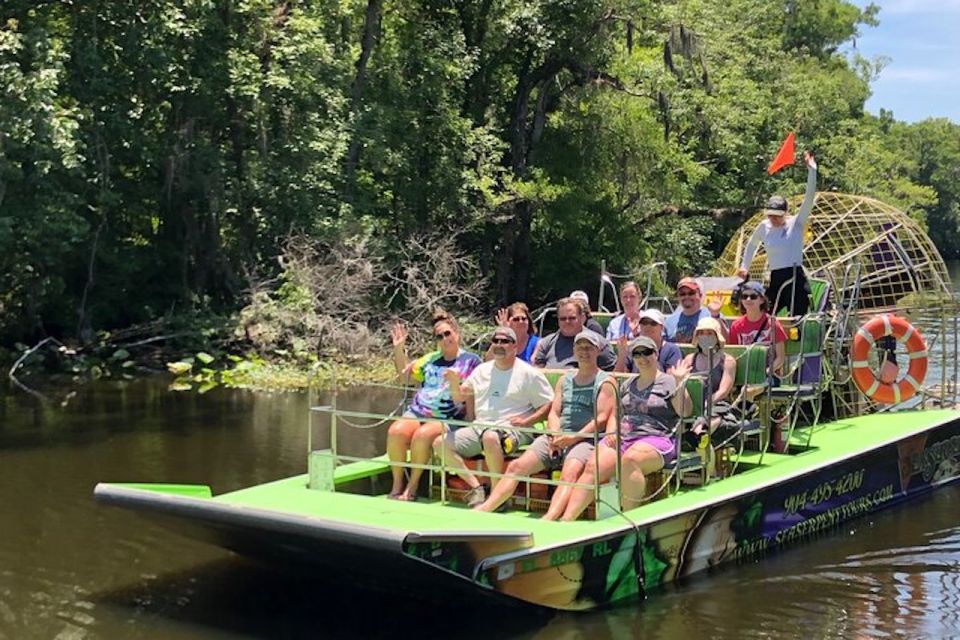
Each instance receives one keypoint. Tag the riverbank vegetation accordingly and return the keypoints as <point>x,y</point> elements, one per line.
<point>175,170</point>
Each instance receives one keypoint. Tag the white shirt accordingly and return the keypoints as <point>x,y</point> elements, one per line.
<point>784,244</point>
<point>500,395</point>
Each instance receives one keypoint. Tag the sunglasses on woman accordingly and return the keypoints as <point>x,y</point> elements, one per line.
<point>750,296</point>
<point>443,334</point>
<point>518,319</point>
<point>638,353</point>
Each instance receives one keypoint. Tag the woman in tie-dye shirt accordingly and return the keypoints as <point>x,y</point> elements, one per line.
<point>415,431</point>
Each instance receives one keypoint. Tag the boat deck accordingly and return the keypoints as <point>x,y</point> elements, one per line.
<point>831,442</point>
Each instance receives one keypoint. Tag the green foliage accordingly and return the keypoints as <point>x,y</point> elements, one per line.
<point>154,156</point>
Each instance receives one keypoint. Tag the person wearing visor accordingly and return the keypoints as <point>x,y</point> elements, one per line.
<point>782,239</point>
<point>650,325</point>
<point>580,403</point>
<point>501,396</point>
<point>650,407</point>
<point>758,326</point>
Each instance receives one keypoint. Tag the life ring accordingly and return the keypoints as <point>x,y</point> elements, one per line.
<point>864,377</point>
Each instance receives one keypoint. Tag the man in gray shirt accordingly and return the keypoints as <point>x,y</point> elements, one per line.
<point>556,350</point>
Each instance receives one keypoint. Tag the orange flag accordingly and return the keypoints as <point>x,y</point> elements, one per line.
<point>784,157</point>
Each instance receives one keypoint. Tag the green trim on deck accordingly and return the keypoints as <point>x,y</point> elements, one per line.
<point>359,470</point>
<point>185,490</point>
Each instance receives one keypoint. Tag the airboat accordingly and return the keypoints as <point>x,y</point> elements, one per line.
<point>854,443</point>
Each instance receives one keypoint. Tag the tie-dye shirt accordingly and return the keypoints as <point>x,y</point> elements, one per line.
<point>432,399</point>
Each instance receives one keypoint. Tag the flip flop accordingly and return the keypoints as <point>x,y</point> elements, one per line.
<point>405,498</point>
<point>395,496</point>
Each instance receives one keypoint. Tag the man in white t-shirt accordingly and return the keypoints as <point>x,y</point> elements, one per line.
<point>500,395</point>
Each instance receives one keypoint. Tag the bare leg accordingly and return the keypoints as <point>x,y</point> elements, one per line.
<point>445,449</point>
<point>398,441</point>
<point>420,447</point>
<point>580,498</point>
<point>639,460</point>
<point>525,465</point>
<point>493,454</point>
<point>558,503</point>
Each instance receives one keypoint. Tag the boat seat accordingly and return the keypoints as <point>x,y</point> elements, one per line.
<point>804,349</point>
<point>806,377</point>
<point>751,373</point>
<point>603,318</point>
<point>751,361</point>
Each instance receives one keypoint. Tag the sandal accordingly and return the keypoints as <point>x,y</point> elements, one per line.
<point>396,495</point>
<point>406,498</point>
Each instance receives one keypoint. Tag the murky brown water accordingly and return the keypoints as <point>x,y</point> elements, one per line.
<point>72,570</point>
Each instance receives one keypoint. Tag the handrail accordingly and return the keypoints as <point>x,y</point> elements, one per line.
<point>442,467</point>
<point>611,380</point>
<point>648,271</point>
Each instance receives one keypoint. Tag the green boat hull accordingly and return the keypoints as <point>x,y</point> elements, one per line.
<point>857,466</point>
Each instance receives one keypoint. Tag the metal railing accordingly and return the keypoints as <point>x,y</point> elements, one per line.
<point>441,467</point>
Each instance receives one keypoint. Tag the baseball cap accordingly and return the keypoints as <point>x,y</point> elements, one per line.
<point>688,283</point>
<point>591,337</point>
<point>653,314</point>
<point>642,342</point>
<point>754,286</point>
<point>776,206</point>
<point>580,295</point>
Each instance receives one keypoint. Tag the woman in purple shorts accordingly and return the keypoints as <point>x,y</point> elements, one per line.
<point>650,408</point>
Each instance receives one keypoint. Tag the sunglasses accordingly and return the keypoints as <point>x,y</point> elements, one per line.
<point>518,319</point>
<point>638,353</point>
<point>749,296</point>
<point>568,318</point>
<point>686,293</point>
<point>502,341</point>
<point>443,334</point>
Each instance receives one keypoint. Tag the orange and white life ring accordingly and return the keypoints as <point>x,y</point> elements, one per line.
<point>867,381</point>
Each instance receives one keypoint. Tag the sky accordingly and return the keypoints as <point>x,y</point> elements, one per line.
<point>922,77</point>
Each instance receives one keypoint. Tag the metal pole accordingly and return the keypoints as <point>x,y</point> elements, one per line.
<point>603,271</point>
<point>618,474</point>
<point>309,417</point>
<point>953,307</point>
<point>443,465</point>
<point>333,417</point>
<point>708,411</point>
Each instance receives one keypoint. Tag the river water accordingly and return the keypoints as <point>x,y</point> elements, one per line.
<point>72,570</point>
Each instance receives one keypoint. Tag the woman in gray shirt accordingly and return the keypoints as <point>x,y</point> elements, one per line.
<point>651,406</point>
